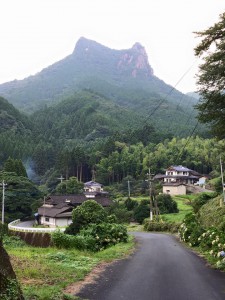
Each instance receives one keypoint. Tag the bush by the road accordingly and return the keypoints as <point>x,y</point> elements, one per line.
<point>161,226</point>
<point>166,204</point>
<point>90,212</point>
<point>93,238</point>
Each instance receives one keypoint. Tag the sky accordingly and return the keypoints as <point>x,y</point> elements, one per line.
<point>37,33</point>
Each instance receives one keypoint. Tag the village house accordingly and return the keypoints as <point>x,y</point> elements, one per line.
<point>177,179</point>
<point>57,210</point>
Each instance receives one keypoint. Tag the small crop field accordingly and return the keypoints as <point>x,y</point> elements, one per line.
<point>44,273</point>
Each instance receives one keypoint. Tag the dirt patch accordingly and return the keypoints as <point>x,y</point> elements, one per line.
<point>91,278</point>
<point>32,281</point>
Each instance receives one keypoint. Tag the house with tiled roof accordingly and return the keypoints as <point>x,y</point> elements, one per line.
<point>57,210</point>
<point>177,178</point>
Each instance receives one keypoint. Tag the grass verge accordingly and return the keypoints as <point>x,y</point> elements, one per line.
<point>45,272</point>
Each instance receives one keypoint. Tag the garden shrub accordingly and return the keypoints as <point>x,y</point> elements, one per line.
<point>212,242</point>
<point>161,226</point>
<point>95,237</point>
<point>106,234</point>
<point>121,212</point>
<point>130,204</point>
<point>80,242</point>
<point>142,211</point>
<point>190,230</point>
<point>112,219</point>
<point>166,204</point>
<point>88,212</point>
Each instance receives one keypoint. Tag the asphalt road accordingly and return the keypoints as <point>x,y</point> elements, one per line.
<point>27,224</point>
<point>161,269</point>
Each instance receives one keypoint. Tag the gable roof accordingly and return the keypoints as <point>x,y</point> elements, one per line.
<point>179,168</point>
<point>74,200</point>
<point>183,169</point>
<point>62,206</point>
<point>53,212</point>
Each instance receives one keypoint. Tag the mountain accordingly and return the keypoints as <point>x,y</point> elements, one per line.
<point>11,119</point>
<point>123,76</point>
<point>193,95</point>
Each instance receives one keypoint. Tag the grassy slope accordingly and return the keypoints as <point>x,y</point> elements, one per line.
<point>45,272</point>
<point>183,204</point>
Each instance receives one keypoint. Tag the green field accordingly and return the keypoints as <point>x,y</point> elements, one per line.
<point>184,206</point>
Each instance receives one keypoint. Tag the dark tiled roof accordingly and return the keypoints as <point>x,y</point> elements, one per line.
<point>52,211</point>
<point>62,206</point>
<point>60,201</point>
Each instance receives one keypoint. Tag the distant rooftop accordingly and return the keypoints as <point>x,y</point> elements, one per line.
<point>92,183</point>
<point>179,168</point>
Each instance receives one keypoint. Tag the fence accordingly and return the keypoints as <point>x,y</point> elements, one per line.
<point>37,237</point>
<point>12,226</point>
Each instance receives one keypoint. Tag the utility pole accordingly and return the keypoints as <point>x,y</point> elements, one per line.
<point>3,184</point>
<point>150,193</point>
<point>221,169</point>
<point>128,183</point>
<point>61,178</point>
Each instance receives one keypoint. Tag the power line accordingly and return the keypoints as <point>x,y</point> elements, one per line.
<point>182,150</point>
<point>173,88</point>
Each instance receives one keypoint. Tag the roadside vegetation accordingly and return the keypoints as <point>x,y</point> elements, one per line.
<point>203,229</point>
<point>44,273</point>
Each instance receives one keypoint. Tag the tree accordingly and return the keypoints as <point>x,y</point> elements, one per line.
<point>166,204</point>
<point>15,165</point>
<point>89,212</point>
<point>20,194</point>
<point>141,211</point>
<point>211,77</point>
<point>71,186</point>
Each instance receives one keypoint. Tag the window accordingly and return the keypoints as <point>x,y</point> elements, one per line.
<point>47,219</point>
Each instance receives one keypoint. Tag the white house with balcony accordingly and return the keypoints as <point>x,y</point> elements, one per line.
<point>177,178</point>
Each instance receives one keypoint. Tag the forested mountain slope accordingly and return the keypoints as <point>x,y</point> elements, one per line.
<point>16,132</point>
<point>11,119</point>
<point>87,115</point>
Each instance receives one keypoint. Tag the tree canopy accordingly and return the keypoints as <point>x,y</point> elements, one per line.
<point>211,77</point>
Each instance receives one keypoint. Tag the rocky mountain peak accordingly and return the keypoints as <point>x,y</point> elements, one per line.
<point>132,62</point>
<point>137,59</point>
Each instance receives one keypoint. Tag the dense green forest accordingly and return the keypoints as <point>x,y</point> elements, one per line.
<point>88,136</point>
<point>91,118</point>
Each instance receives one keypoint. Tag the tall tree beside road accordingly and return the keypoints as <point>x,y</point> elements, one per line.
<point>211,77</point>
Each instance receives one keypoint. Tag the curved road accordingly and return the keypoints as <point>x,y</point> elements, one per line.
<point>26,224</point>
<point>161,269</point>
